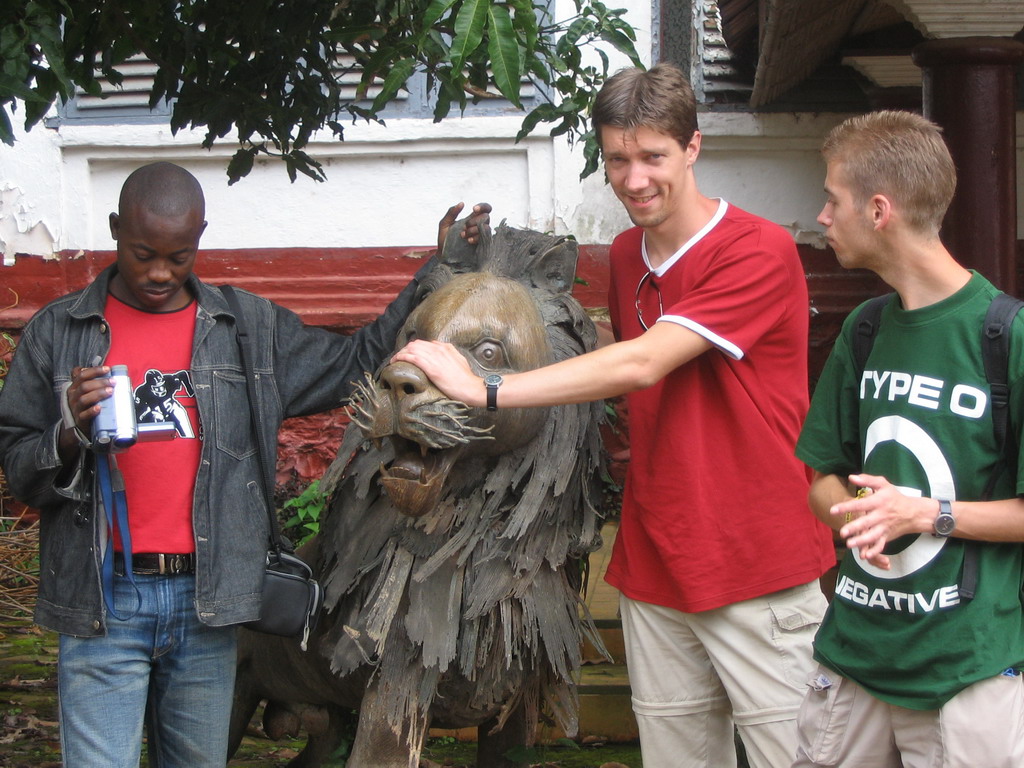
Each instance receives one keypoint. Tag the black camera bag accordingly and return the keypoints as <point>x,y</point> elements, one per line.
<point>292,598</point>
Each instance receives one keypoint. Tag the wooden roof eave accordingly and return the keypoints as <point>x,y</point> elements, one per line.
<point>798,36</point>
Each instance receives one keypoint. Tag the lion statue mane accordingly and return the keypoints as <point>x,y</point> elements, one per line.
<point>453,548</point>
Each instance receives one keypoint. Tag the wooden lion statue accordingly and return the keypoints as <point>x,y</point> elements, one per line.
<point>452,551</point>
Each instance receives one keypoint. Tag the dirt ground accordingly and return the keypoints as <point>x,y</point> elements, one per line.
<point>29,736</point>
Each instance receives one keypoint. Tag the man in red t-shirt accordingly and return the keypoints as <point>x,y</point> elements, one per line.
<point>717,556</point>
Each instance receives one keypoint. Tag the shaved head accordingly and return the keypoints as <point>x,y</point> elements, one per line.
<point>164,189</point>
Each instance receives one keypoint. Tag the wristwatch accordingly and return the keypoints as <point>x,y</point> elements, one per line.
<point>492,382</point>
<point>945,523</point>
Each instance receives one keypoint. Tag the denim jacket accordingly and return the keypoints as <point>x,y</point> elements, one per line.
<point>299,370</point>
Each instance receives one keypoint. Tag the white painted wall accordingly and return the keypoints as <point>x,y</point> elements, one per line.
<point>388,186</point>
<point>30,193</point>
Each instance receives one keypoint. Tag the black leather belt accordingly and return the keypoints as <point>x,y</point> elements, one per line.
<point>153,563</point>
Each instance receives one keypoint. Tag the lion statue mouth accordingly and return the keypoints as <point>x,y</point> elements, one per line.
<point>415,479</point>
<point>427,435</point>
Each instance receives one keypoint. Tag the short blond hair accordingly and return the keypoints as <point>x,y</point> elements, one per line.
<point>900,155</point>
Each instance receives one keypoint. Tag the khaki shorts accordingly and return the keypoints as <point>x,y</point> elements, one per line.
<point>841,724</point>
<point>694,676</point>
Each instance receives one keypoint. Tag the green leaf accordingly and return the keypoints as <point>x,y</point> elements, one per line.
<point>562,128</point>
<point>558,64</point>
<point>308,507</point>
<point>434,12</point>
<point>591,154</point>
<point>10,86</point>
<point>469,31</point>
<point>543,112</point>
<point>622,44</point>
<point>396,79</point>
<point>538,68</point>
<point>444,103</point>
<point>6,129</point>
<point>578,29</point>
<point>526,23</point>
<point>503,51</point>
<point>241,164</point>
<point>51,46</point>
<point>436,47</point>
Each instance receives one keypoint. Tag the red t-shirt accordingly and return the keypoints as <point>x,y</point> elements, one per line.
<point>715,504</point>
<point>159,476</point>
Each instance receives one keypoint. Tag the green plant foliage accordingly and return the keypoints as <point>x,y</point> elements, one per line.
<point>7,345</point>
<point>267,70</point>
<point>306,509</point>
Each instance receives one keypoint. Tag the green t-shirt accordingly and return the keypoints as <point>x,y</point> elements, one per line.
<point>920,416</point>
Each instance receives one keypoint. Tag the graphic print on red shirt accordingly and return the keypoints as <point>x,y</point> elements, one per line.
<point>159,476</point>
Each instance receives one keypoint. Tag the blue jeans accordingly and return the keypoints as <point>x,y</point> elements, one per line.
<point>163,658</point>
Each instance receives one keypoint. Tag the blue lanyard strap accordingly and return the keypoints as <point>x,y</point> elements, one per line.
<point>115,505</point>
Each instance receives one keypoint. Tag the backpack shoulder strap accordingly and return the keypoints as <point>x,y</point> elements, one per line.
<point>995,353</point>
<point>995,341</point>
<point>866,328</point>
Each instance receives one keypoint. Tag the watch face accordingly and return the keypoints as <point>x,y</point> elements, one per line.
<point>944,525</point>
<point>493,380</point>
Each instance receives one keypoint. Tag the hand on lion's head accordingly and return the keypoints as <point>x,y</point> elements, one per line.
<point>501,324</point>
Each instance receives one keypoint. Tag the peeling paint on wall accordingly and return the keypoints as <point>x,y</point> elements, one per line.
<point>20,230</point>
<point>810,237</point>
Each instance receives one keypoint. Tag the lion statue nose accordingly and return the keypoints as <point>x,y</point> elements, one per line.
<point>404,380</point>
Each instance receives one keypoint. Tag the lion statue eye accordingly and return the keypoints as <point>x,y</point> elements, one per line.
<point>490,354</point>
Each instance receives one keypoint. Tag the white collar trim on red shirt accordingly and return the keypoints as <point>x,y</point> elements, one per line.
<point>667,264</point>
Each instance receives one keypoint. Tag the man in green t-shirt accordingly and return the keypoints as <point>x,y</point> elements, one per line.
<point>914,671</point>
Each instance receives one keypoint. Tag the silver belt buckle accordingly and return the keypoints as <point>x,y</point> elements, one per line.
<point>170,564</point>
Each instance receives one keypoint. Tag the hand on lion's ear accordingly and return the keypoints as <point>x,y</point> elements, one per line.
<point>463,254</point>
<point>472,227</point>
<point>446,223</point>
<point>477,224</point>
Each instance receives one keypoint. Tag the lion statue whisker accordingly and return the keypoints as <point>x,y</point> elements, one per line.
<point>457,415</point>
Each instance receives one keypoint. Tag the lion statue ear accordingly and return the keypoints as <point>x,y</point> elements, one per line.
<point>546,263</point>
<point>554,269</point>
<point>459,255</point>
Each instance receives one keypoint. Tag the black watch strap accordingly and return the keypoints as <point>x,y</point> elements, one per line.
<point>492,382</point>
